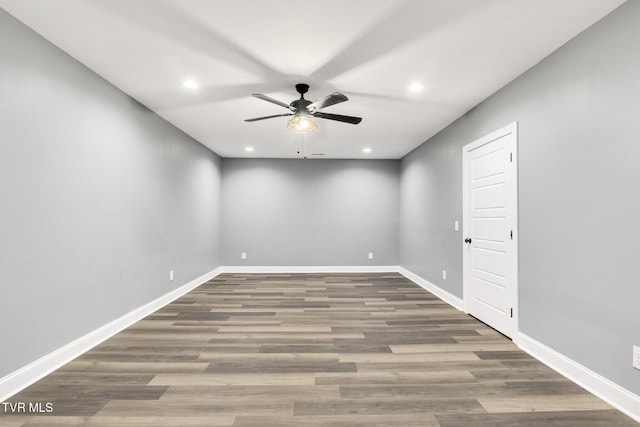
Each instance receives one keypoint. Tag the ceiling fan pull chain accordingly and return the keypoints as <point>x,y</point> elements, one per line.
<point>305,146</point>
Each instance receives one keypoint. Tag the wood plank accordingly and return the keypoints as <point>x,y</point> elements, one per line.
<point>387,406</point>
<point>602,418</point>
<point>152,408</point>
<point>257,379</point>
<point>117,421</point>
<point>238,393</point>
<point>543,403</point>
<point>396,377</point>
<point>346,420</point>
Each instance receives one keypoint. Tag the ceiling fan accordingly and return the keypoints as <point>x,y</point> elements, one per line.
<point>303,111</point>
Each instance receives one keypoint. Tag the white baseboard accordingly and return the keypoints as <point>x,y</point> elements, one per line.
<point>610,392</point>
<point>29,374</point>
<point>436,290</point>
<point>310,269</point>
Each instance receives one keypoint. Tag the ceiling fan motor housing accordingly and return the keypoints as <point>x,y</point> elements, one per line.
<point>302,88</point>
<point>300,105</point>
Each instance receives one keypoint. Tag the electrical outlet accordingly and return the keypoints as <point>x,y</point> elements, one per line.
<point>170,274</point>
<point>243,255</point>
<point>370,255</point>
<point>636,357</point>
<point>444,274</point>
<point>456,226</point>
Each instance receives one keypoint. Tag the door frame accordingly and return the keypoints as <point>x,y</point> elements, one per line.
<point>512,208</point>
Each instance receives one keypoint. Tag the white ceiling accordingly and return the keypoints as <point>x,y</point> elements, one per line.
<point>461,51</point>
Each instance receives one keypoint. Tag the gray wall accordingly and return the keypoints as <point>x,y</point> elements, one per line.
<point>100,198</point>
<point>430,202</point>
<point>310,212</point>
<point>579,139</point>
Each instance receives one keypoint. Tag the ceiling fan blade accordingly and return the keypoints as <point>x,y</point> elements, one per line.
<point>338,117</point>
<point>269,99</point>
<point>268,117</point>
<point>334,98</point>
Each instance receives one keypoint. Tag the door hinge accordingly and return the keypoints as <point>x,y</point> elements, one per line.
<point>512,313</point>
<point>511,157</point>
<point>511,234</point>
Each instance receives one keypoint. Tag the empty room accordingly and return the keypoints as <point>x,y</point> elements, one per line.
<point>354,213</point>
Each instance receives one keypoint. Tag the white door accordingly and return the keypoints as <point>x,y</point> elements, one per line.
<point>490,223</point>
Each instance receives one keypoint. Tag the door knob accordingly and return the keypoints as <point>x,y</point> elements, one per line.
<point>467,240</point>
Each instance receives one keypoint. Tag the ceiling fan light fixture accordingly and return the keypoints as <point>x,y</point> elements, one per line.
<point>302,123</point>
<point>416,87</point>
<point>190,84</point>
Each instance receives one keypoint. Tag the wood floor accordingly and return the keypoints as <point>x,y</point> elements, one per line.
<point>310,349</point>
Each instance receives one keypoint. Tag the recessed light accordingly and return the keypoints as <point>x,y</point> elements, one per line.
<point>249,149</point>
<point>366,150</point>
<point>190,84</point>
<point>416,87</point>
